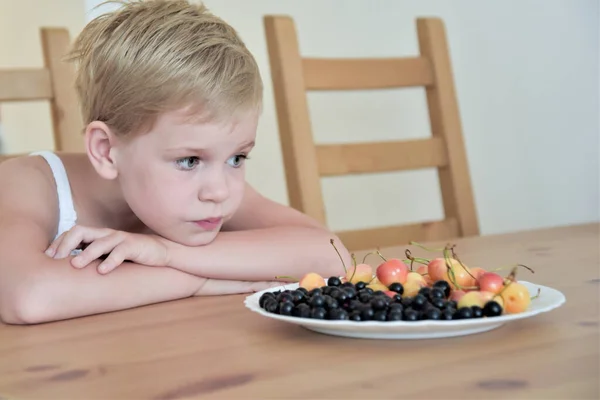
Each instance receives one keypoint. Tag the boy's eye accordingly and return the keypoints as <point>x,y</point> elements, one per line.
<point>187,163</point>
<point>237,161</point>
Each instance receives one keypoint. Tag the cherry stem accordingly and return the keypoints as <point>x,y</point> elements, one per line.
<point>455,256</point>
<point>287,277</point>
<point>514,265</point>
<point>353,272</point>
<point>336,250</point>
<point>510,279</point>
<point>381,255</point>
<point>537,295</point>
<point>367,255</point>
<point>425,248</point>
<point>451,274</point>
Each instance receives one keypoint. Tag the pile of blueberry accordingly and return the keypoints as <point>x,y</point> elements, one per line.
<point>357,302</point>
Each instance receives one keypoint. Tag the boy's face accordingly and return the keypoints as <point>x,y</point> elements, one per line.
<point>184,179</point>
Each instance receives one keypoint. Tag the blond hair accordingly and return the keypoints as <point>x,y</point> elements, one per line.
<point>155,56</point>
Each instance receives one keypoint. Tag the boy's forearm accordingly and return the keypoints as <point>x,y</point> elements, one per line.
<point>263,254</point>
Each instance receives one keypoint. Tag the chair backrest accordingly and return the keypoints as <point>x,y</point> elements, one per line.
<point>55,83</point>
<point>306,162</point>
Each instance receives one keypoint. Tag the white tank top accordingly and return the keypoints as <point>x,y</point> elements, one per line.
<point>66,209</point>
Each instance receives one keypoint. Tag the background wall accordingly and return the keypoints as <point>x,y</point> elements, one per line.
<point>527,80</point>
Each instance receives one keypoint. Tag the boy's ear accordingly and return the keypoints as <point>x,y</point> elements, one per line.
<point>100,145</point>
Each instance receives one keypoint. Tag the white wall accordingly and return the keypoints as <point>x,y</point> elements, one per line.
<point>527,79</point>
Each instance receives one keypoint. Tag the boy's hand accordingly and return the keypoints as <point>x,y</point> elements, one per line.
<point>143,249</point>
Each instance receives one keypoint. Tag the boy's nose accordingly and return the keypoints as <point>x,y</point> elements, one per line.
<point>214,188</point>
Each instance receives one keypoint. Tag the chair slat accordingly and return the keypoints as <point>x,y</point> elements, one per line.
<point>25,85</point>
<point>370,239</point>
<point>359,158</point>
<point>355,74</point>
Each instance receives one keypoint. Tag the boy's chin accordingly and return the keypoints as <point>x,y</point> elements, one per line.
<point>198,239</point>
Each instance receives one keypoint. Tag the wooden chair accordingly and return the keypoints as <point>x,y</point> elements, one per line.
<point>55,83</point>
<point>306,162</point>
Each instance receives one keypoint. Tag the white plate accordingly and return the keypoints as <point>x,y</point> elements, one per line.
<point>548,300</point>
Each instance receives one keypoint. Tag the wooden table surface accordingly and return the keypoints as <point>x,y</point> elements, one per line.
<point>215,348</point>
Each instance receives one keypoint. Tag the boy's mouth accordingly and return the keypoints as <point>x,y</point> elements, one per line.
<point>209,223</point>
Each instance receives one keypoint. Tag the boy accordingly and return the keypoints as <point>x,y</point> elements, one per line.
<point>157,208</point>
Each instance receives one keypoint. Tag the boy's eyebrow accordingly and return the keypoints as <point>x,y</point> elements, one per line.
<point>243,145</point>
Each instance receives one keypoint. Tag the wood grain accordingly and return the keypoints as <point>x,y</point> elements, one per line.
<point>25,85</point>
<point>214,348</point>
<point>360,74</point>
<point>388,156</point>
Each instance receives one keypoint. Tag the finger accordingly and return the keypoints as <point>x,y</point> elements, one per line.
<point>116,257</point>
<point>96,249</point>
<point>51,250</point>
<point>77,235</point>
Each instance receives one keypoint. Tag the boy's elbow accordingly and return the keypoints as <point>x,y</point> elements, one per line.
<point>26,305</point>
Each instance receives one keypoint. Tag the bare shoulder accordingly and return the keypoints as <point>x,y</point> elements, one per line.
<point>257,211</point>
<point>28,193</point>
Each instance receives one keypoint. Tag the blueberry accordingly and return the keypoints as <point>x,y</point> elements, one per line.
<point>396,307</point>
<point>301,310</point>
<point>397,287</point>
<point>448,314</point>
<point>355,316</point>
<point>436,293</point>
<point>379,293</point>
<point>411,315</point>
<point>380,316</point>
<point>303,290</point>
<point>348,285</point>
<point>365,297</point>
<point>477,311</point>
<point>315,291</point>
<point>337,314</point>
<point>425,292</point>
<point>298,296</point>
<point>433,313</point>
<point>317,301</point>
<point>271,305</point>
<point>353,305</point>
<point>464,313</point>
<point>285,308</point>
<point>360,285</point>
<point>438,303</point>
<point>318,313</point>
<point>264,297</point>
<point>330,303</point>
<point>366,313</point>
<point>334,281</point>
<point>418,302</point>
<point>492,309</point>
<point>445,286</point>
<point>395,316</point>
<point>285,296</point>
<point>350,292</point>
<point>378,303</point>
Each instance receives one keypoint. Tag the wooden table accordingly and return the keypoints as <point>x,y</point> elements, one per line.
<point>215,348</point>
